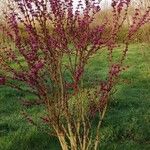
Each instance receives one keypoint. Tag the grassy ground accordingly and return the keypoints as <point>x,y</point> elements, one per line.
<point>126,126</point>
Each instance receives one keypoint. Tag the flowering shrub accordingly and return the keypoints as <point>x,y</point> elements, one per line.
<point>38,36</point>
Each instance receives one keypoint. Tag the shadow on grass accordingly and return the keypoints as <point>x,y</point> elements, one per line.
<point>15,132</point>
<point>127,121</point>
<point>34,141</point>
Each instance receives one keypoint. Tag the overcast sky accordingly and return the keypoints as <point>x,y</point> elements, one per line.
<point>103,3</point>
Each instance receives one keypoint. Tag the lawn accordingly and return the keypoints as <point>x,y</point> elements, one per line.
<point>126,126</point>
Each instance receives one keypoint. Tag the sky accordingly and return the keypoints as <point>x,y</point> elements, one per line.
<point>103,3</point>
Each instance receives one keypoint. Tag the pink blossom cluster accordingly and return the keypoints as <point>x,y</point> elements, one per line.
<point>52,30</point>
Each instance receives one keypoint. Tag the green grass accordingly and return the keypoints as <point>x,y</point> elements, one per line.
<point>126,126</point>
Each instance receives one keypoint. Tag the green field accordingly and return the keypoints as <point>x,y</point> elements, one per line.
<point>127,123</point>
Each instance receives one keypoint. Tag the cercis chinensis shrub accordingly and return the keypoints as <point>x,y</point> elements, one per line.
<point>47,40</point>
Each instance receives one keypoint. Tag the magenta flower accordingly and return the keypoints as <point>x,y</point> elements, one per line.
<point>2,80</point>
<point>115,70</point>
<point>39,65</point>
